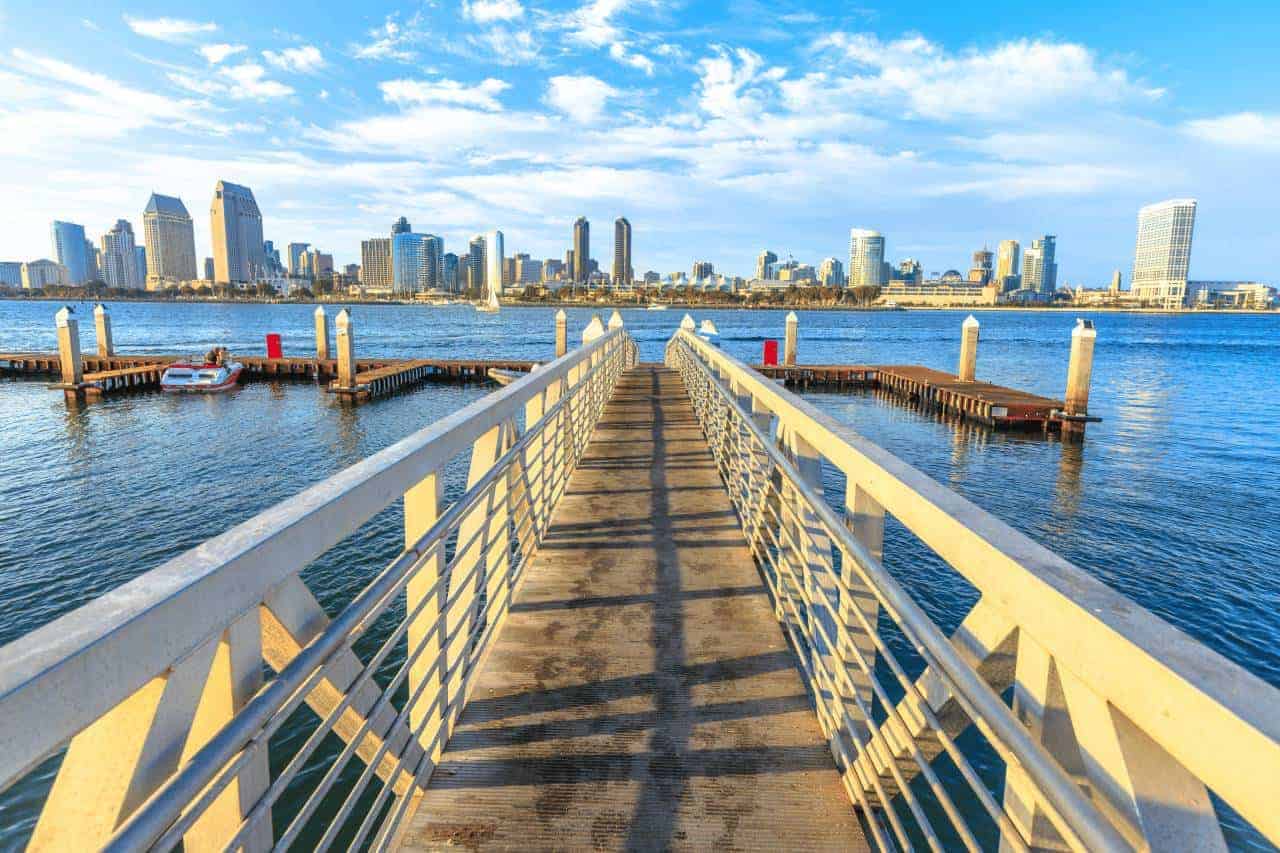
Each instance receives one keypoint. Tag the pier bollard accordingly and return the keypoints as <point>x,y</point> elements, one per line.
<point>687,323</point>
<point>102,328</point>
<point>615,320</point>
<point>562,333</point>
<point>69,349</point>
<point>968,349</point>
<point>1079,374</point>
<point>593,330</point>
<point>322,334</point>
<point>346,349</point>
<point>789,344</point>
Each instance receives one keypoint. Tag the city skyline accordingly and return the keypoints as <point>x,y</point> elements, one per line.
<point>944,134</point>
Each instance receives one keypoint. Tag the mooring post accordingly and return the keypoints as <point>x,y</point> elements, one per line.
<point>593,330</point>
<point>346,350</point>
<point>687,323</point>
<point>69,351</point>
<point>615,320</point>
<point>1079,374</point>
<point>789,345</point>
<point>968,349</point>
<point>102,327</point>
<point>562,333</point>
<point>322,334</point>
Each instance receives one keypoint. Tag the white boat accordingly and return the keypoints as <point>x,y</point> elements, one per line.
<point>199,376</point>
<point>491,305</point>
<point>656,306</point>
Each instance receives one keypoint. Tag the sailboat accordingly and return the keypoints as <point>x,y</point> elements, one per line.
<point>490,305</point>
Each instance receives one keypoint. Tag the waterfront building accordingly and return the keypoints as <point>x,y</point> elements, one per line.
<point>69,249</point>
<point>408,262</point>
<point>581,249</point>
<point>866,257</point>
<point>43,273</point>
<point>274,265</point>
<point>568,264</point>
<point>982,270</point>
<point>493,259</point>
<point>702,270</point>
<point>11,273</point>
<point>92,262</point>
<point>297,251</point>
<point>652,277</point>
<point>320,263</point>
<point>1162,254</point>
<point>351,271</point>
<point>909,272</point>
<point>1115,282</point>
<point>527,271</point>
<point>401,226</point>
<point>552,269</point>
<point>1039,268</point>
<point>830,272</point>
<point>433,264</point>
<point>449,280</point>
<point>140,265</point>
<point>237,234</point>
<point>476,263</point>
<point>764,261</point>
<point>949,290</point>
<point>170,240</point>
<point>1252,295</point>
<point>208,269</point>
<point>621,251</point>
<point>508,271</point>
<point>1008,255</point>
<point>375,264</point>
<point>119,260</point>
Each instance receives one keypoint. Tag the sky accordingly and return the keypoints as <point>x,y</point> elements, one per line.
<point>717,128</point>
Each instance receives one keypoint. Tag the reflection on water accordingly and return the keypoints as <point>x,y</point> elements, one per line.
<point>1067,486</point>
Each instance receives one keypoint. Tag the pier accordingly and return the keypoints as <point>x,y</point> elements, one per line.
<point>657,615</point>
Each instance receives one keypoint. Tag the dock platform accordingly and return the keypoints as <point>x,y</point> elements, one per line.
<point>641,695</point>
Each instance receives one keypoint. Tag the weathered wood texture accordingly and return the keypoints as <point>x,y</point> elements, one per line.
<point>641,695</point>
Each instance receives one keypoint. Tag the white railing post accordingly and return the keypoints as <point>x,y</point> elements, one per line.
<point>422,506</point>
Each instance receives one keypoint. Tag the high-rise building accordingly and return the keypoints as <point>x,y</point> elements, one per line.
<point>433,263</point>
<point>702,270</point>
<point>450,282</point>
<point>297,251</point>
<point>208,269</point>
<point>408,262</point>
<point>621,251</point>
<point>69,249</point>
<point>43,273</point>
<point>237,234</point>
<point>509,271</point>
<point>527,271</point>
<point>831,273</point>
<point>552,269</point>
<point>982,269</point>
<point>1162,255</point>
<point>375,263</point>
<point>476,264</point>
<point>92,262</point>
<point>1039,268</point>
<point>569,268</point>
<point>119,258</point>
<point>274,266</point>
<point>401,226</point>
<point>170,241</point>
<point>11,273</point>
<point>1115,283</point>
<point>764,261</point>
<point>493,260</point>
<point>581,249</point>
<point>140,265</point>
<point>866,258</point>
<point>909,271</point>
<point>1007,256</point>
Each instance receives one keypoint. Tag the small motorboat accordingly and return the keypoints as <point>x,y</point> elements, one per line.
<point>212,374</point>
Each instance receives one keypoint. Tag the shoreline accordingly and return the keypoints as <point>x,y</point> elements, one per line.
<point>702,306</point>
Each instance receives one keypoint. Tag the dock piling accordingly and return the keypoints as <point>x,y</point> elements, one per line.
<point>968,349</point>
<point>346,349</point>
<point>562,333</point>
<point>322,334</point>
<point>789,345</point>
<point>71,366</point>
<point>1079,375</point>
<point>615,320</point>
<point>687,323</point>
<point>102,327</point>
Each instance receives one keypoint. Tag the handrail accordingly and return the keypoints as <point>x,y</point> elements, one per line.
<point>1025,590</point>
<point>166,639</point>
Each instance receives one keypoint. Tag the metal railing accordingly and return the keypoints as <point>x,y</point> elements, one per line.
<point>1118,725</point>
<point>157,690</point>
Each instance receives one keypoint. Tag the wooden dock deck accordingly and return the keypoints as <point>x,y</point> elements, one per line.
<point>993,405</point>
<point>641,695</point>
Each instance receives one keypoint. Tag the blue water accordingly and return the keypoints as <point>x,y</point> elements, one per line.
<point>1170,499</point>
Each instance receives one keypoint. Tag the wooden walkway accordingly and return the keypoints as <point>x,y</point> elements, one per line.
<point>641,695</point>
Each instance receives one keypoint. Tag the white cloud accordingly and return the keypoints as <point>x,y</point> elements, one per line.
<point>389,41</point>
<point>250,81</point>
<point>736,85</point>
<point>216,53</point>
<point>488,11</point>
<point>579,96</point>
<point>505,46</point>
<point>169,29</point>
<point>621,53</point>
<point>594,25</point>
<point>1247,130</point>
<point>303,60</point>
<point>406,92</point>
<point>90,24</point>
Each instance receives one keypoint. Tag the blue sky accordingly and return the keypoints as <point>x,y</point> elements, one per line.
<point>717,128</point>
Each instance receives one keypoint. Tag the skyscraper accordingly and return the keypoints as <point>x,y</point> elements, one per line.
<point>401,226</point>
<point>1039,269</point>
<point>375,263</point>
<point>702,270</point>
<point>140,266</point>
<point>92,268</point>
<point>475,264</point>
<point>621,251</point>
<point>432,277</point>
<point>237,234</point>
<point>493,260</point>
<point>866,258</point>
<point>408,262</point>
<point>581,248</point>
<point>1008,253</point>
<point>69,250</point>
<point>830,272</point>
<point>119,260</point>
<point>208,269</point>
<point>296,253</point>
<point>450,280</point>
<point>764,260</point>
<point>981,271</point>
<point>171,241</point>
<point>1162,255</point>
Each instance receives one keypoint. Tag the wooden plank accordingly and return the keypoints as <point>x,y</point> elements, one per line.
<point>641,694</point>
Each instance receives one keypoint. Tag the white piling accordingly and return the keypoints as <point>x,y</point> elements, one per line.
<point>968,349</point>
<point>102,328</point>
<point>562,333</point>
<point>346,349</point>
<point>322,334</point>
<point>789,345</point>
<point>69,346</point>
